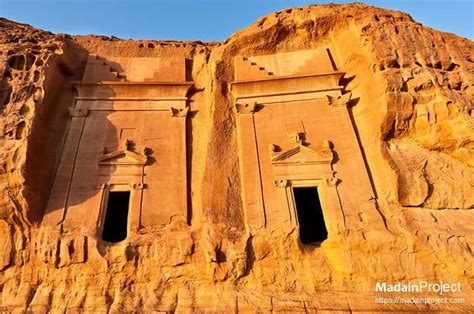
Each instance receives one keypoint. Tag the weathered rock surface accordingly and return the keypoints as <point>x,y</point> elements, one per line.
<point>412,90</point>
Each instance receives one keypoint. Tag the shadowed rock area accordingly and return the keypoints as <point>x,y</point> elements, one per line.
<point>367,105</point>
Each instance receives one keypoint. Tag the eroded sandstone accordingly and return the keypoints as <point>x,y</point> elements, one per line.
<point>405,196</point>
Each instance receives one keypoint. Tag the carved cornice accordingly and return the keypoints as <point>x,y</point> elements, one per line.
<point>120,90</point>
<point>288,88</point>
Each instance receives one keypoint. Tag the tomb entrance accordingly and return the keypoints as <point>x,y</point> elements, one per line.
<point>125,144</point>
<point>297,145</point>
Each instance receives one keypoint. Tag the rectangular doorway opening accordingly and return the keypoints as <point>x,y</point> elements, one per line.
<point>116,216</point>
<point>310,215</point>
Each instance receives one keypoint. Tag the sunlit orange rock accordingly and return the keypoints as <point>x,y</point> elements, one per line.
<point>310,156</point>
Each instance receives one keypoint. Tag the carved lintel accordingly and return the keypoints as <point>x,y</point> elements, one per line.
<point>280,183</point>
<point>138,186</point>
<point>245,108</point>
<point>339,101</point>
<point>78,112</point>
<point>179,112</point>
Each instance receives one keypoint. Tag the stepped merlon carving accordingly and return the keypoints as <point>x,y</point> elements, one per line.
<point>98,69</point>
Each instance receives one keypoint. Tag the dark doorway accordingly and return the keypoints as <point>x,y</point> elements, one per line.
<point>310,215</point>
<point>116,216</point>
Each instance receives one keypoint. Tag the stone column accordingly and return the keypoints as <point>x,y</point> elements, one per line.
<point>180,115</point>
<point>57,204</point>
<point>252,195</point>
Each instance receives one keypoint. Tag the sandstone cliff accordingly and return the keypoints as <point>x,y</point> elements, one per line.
<point>412,109</point>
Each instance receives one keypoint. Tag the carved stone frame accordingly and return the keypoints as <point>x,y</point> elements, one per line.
<point>290,170</point>
<point>116,187</point>
<point>246,105</point>
<point>135,186</point>
<point>112,96</point>
<point>328,197</point>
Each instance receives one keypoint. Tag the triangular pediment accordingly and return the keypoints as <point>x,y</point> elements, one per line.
<point>301,154</point>
<point>122,157</point>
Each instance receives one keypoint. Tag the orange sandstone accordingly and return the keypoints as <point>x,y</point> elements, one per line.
<point>169,176</point>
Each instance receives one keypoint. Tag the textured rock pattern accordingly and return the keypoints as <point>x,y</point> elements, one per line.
<point>413,105</point>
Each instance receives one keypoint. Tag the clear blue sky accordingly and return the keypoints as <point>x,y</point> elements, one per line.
<point>205,20</point>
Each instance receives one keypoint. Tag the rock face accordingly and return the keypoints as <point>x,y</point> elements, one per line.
<point>367,105</point>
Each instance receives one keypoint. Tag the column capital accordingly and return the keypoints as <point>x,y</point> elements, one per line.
<point>339,101</point>
<point>179,112</point>
<point>245,108</point>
